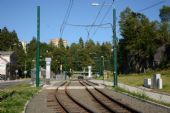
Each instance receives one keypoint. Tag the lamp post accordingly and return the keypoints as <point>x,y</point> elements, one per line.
<point>38,47</point>
<point>114,47</point>
<point>102,63</point>
<point>114,42</point>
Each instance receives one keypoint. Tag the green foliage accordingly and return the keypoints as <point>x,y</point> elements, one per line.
<point>141,38</point>
<point>10,42</point>
<point>60,43</point>
<point>15,98</point>
<point>165,13</point>
<point>79,55</point>
<point>81,42</point>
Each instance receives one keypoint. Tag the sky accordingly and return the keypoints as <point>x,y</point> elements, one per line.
<point>21,16</point>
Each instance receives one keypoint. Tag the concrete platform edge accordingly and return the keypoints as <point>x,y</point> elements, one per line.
<point>28,101</point>
<point>148,101</point>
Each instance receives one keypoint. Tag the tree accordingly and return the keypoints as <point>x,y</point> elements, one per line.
<point>60,43</point>
<point>81,42</point>
<point>4,37</point>
<point>138,40</point>
<point>10,42</point>
<point>165,14</point>
<point>107,54</point>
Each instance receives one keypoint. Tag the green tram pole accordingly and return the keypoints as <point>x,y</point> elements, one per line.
<point>114,48</point>
<point>38,48</point>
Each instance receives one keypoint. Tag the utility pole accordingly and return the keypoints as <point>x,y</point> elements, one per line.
<point>38,47</point>
<point>65,76</point>
<point>103,67</point>
<point>114,48</point>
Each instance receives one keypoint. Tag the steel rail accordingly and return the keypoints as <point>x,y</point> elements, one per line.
<point>114,100</point>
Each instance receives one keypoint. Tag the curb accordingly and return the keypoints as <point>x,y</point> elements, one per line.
<point>28,101</point>
<point>147,101</point>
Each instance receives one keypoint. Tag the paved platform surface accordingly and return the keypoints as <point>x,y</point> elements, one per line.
<point>153,95</point>
<point>38,104</point>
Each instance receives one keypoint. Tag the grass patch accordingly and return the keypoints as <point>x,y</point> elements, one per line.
<point>140,96</point>
<point>137,80</point>
<point>13,99</point>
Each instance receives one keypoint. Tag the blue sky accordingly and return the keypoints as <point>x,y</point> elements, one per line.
<point>20,15</point>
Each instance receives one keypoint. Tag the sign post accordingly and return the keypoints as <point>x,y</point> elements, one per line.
<point>48,70</point>
<point>89,71</point>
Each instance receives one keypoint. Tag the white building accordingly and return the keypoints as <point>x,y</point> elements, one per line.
<point>7,64</point>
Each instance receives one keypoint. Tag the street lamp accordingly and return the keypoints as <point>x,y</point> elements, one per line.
<point>114,42</point>
<point>95,4</point>
<point>103,61</point>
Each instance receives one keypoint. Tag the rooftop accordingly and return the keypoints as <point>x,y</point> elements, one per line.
<point>6,52</point>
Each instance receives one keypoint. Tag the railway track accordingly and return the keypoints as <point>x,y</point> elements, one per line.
<point>68,103</point>
<point>52,102</point>
<point>87,99</point>
<point>106,101</point>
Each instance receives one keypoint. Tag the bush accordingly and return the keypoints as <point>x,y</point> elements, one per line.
<point>13,99</point>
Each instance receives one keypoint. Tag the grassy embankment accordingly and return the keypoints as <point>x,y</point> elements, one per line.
<point>137,80</point>
<point>140,96</point>
<point>13,99</point>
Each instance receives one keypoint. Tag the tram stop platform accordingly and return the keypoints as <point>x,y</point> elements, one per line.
<point>38,103</point>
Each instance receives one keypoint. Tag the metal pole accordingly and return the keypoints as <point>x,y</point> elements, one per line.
<point>103,64</point>
<point>103,67</point>
<point>65,76</point>
<point>38,47</point>
<point>114,47</point>
<point>25,69</point>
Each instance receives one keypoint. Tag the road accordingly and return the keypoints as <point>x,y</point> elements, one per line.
<point>6,84</point>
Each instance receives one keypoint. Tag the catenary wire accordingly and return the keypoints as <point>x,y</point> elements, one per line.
<point>103,18</point>
<point>66,17</point>
<point>146,8</point>
<point>98,14</point>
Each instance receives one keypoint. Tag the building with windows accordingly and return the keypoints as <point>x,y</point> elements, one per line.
<point>55,42</point>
